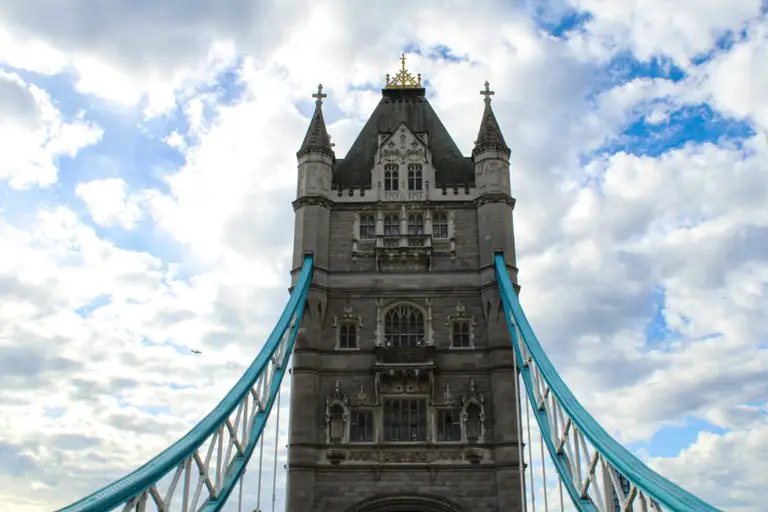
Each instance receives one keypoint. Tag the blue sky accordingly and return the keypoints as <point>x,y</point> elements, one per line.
<point>149,168</point>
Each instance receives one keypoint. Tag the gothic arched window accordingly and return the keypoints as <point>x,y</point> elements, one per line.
<point>415,225</point>
<point>440,226</point>
<point>390,176</point>
<point>367,227</point>
<point>348,335</point>
<point>404,327</point>
<point>414,176</point>
<point>391,225</point>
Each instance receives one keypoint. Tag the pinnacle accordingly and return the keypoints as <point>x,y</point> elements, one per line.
<point>489,136</point>
<point>317,140</point>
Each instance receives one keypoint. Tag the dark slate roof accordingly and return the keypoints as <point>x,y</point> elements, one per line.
<point>409,106</point>
<point>489,136</point>
<point>316,140</point>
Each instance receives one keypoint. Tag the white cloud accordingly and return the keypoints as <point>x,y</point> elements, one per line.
<point>33,135</point>
<point>97,334</point>
<point>108,202</point>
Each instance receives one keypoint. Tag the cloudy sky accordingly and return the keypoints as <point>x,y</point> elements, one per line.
<point>147,164</point>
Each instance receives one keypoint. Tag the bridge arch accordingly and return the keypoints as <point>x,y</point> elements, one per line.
<point>405,503</point>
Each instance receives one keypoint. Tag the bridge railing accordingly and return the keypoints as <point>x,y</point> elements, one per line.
<point>200,471</point>
<point>595,470</point>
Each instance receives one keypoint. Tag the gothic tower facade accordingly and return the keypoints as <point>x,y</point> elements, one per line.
<point>403,393</point>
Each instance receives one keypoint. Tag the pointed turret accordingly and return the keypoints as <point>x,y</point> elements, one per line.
<point>489,136</point>
<point>313,204</point>
<point>317,140</point>
<point>495,203</point>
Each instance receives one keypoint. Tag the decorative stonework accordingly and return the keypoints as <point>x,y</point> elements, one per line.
<point>461,317</point>
<point>312,200</point>
<point>336,417</point>
<point>428,455</point>
<point>473,415</point>
<point>347,320</point>
<point>495,198</point>
<point>403,151</point>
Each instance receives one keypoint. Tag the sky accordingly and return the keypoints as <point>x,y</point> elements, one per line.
<point>147,164</point>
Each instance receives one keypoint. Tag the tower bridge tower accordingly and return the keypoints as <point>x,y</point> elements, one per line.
<point>403,395</point>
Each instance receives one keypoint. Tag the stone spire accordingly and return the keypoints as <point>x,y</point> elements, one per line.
<point>317,140</point>
<point>489,137</point>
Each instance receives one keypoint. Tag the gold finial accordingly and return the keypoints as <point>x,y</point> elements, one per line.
<point>403,79</point>
<point>487,92</point>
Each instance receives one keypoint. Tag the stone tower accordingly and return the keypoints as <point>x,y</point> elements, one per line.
<point>403,394</point>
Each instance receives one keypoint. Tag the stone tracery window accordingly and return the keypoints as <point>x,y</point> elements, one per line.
<point>460,336</point>
<point>415,225</point>
<point>390,177</point>
<point>361,426</point>
<point>414,177</point>
<point>404,327</point>
<point>348,334</point>
<point>391,225</point>
<point>405,420</point>
<point>449,425</point>
<point>367,227</point>
<point>440,226</point>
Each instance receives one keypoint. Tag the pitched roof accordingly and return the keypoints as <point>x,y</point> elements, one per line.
<point>409,106</point>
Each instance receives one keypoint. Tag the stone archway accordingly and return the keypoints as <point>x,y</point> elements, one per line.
<point>405,503</point>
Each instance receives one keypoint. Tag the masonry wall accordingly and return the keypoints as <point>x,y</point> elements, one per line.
<point>453,280</point>
<point>474,489</point>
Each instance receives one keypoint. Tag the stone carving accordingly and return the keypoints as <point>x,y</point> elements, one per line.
<point>406,456</point>
<point>449,455</point>
<point>404,382</point>
<point>364,456</point>
<point>336,416</point>
<point>412,456</point>
<point>362,396</point>
<point>473,414</point>
<point>390,153</point>
<point>447,399</point>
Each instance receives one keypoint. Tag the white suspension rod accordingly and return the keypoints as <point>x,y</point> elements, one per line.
<point>277,439</point>
<point>543,471</point>
<point>261,464</point>
<point>520,447</point>
<point>530,450</point>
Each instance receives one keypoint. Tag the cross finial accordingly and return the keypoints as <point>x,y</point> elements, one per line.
<point>402,60</point>
<point>487,92</point>
<point>319,95</point>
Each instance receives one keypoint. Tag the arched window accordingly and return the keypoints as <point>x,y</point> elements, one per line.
<point>460,337</point>
<point>391,225</point>
<point>390,176</point>
<point>348,335</point>
<point>414,176</point>
<point>415,225</point>
<point>367,227</point>
<point>404,327</point>
<point>440,226</point>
